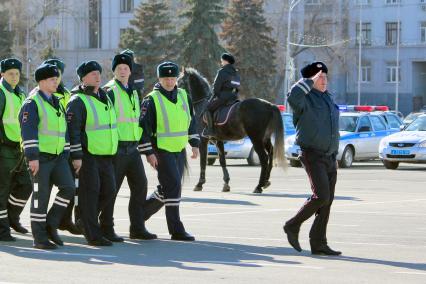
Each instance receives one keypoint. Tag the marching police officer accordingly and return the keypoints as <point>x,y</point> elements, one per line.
<point>15,185</point>
<point>136,80</point>
<point>168,125</point>
<point>127,162</point>
<point>225,89</point>
<point>94,139</point>
<point>64,95</point>
<point>316,118</point>
<point>46,147</point>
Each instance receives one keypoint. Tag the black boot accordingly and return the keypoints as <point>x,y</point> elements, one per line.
<point>293,236</point>
<point>142,235</point>
<point>45,245</point>
<point>52,233</point>
<point>71,227</point>
<point>102,242</point>
<point>323,249</point>
<point>7,238</point>
<point>18,228</point>
<point>109,234</point>
<point>209,130</point>
<point>183,237</point>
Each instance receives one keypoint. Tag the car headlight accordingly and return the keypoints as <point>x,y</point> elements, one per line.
<point>422,144</point>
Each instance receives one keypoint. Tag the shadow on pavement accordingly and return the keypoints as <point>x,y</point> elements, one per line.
<point>158,253</point>
<point>218,201</point>
<point>287,195</point>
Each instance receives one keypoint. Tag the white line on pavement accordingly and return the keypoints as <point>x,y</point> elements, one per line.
<point>410,272</point>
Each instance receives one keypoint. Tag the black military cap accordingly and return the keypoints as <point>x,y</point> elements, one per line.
<point>57,62</point>
<point>46,71</point>
<point>10,63</point>
<point>87,67</point>
<point>228,57</point>
<point>121,59</point>
<point>311,69</point>
<point>129,52</point>
<point>167,69</point>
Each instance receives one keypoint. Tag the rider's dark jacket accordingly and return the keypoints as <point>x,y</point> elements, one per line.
<point>226,83</point>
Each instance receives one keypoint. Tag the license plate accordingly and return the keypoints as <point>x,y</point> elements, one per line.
<point>400,152</point>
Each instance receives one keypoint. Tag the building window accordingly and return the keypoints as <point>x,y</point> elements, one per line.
<point>366,73</point>
<point>391,70</point>
<point>312,2</point>
<point>363,2</point>
<point>126,6</point>
<point>393,2</point>
<point>95,24</point>
<point>53,35</point>
<point>423,32</point>
<point>392,33</point>
<point>365,34</point>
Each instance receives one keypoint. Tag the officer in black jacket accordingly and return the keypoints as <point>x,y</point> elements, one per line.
<point>159,146</point>
<point>137,78</point>
<point>15,182</point>
<point>225,89</point>
<point>316,118</point>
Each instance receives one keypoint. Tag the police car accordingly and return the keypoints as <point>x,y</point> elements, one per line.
<point>407,146</point>
<point>243,149</point>
<point>361,130</point>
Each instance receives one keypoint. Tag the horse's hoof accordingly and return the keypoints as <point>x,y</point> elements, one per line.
<point>198,188</point>
<point>226,188</point>
<point>258,190</point>
<point>267,184</point>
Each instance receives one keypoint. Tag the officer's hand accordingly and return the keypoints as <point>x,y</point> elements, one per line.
<point>77,165</point>
<point>152,160</point>
<point>34,166</point>
<point>195,153</point>
<point>316,76</point>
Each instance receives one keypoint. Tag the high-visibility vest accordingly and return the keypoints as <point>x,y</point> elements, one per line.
<point>127,108</point>
<point>172,121</point>
<point>63,98</point>
<point>13,104</point>
<point>52,126</point>
<point>101,126</point>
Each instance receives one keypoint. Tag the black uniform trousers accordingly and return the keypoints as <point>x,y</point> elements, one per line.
<point>170,172</point>
<point>67,218</point>
<point>128,163</point>
<point>322,174</point>
<point>53,170</point>
<point>95,192</point>
<point>15,187</point>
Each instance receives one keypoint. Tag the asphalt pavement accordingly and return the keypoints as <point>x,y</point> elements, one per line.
<point>378,220</point>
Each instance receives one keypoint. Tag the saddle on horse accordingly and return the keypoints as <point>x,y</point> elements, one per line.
<point>221,115</point>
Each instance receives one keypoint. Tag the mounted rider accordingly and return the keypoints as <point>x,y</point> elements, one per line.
<point>225,90</point>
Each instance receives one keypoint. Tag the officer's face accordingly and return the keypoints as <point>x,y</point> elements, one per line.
<point>12,77</point>
<point>321,83</point>
<point>49,85</point>
<point>223,62</point>
<point>122,72</point>
<point>168,83</point>
<point>92,79</point>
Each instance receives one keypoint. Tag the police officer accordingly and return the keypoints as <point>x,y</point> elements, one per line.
<point>15,185</point>
<point>127,162</point>
<point>46,147</point>
<point>137,80</point>
<point>64,95</point>
<point>92,124</point>
<point>225,89</point>
<point>316,118</point>
<point>168,125</point>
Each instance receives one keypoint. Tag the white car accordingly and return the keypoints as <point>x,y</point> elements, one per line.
<point>407,146</point>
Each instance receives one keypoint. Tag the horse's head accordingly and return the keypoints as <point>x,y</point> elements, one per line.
<point>194,84</point>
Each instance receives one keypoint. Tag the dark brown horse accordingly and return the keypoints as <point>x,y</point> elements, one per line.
<point>255,118</point>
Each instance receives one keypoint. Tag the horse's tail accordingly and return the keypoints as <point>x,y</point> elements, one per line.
<point>277,125</point>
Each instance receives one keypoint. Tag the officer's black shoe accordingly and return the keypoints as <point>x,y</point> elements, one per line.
<point>143,235</point>
<point>72,228</point>
<point>7,238</point>
<point>53,236</point>
<point>45,245</point>
<point>293,236</point>
<point>183,237</point>
<point>113,237</point>
<point>18,228</point>
<point>324,250</point>
<point>102,242</point>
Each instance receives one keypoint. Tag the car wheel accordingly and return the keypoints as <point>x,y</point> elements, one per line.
<point>347,158</point>
<point>210,161</point>
<point>295,163</point>
<point>390,165</point>
<point>253,159</point>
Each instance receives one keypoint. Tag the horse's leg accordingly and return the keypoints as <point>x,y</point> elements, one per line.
<point>203,162</point>
<point>221,150</point>
<point>263,157</point>
<point>270,151</point>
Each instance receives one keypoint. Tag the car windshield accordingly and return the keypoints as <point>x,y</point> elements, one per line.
<point>288,122</point>
<point>411,117</point>
<point>417,125</point>
<point>348,123</point>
